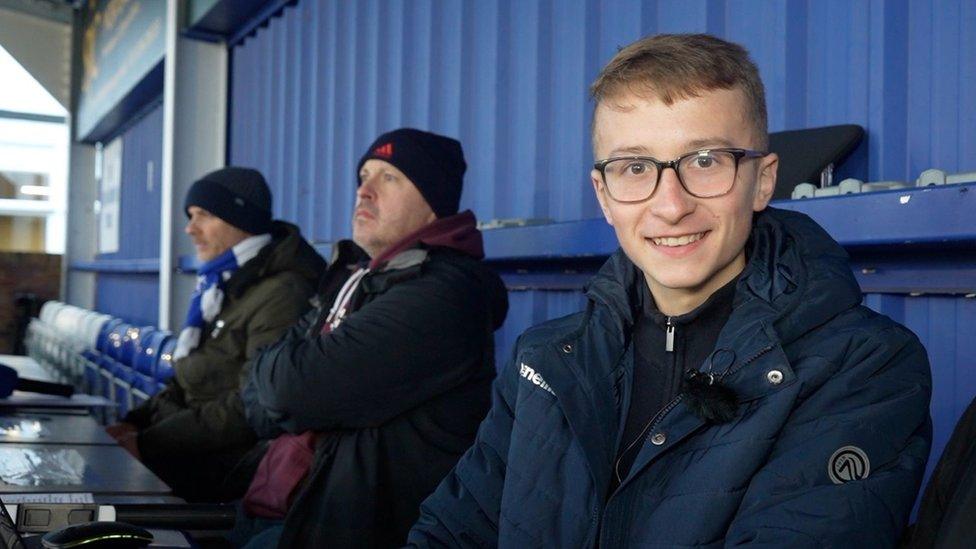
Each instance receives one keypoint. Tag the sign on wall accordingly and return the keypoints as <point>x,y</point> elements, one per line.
<point>109,198</point>
<point>123,41</point>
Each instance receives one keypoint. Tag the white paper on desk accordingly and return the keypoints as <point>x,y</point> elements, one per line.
<point>72,497</point>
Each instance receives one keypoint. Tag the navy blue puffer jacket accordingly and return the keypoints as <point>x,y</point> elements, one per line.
<point>827,448</point>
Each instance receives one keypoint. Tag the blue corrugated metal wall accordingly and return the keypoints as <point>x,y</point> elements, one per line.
<point>135,296</point>
<point>315,86</point>
<point>509,77</point>
<point>142,144</point>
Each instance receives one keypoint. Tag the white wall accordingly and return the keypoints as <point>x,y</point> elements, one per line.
<point>80,285</point>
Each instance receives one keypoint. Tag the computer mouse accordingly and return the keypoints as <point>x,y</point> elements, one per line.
<point>97,534</point>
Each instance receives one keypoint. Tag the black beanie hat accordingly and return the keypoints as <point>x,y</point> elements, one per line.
<point>239,196</point>
<point>434,163</point>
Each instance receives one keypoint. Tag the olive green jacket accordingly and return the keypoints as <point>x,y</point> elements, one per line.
<point>201,410</point>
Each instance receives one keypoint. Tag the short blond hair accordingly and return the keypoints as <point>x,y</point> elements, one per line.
<point>679,66</point>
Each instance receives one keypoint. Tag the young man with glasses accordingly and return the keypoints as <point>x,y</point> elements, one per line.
<point>724,385</point>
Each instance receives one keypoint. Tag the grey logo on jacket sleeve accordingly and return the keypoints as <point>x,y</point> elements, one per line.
<point>848,463</point>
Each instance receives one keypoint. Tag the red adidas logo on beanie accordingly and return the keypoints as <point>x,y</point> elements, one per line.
<point>386,151</point>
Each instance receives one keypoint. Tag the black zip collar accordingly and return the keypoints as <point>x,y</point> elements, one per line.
<point>723,296</point>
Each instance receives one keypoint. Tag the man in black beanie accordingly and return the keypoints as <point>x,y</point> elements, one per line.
<point>372,397</point>
<point>254,281</point>
<point>411,178</point>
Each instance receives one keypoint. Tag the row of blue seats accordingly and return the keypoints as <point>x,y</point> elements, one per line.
<point>129,363</point>
<point>100,354</point>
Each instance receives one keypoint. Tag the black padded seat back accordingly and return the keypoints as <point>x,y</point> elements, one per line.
<point>803,154</point>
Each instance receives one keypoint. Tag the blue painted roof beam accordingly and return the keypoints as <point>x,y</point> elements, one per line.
<point>926,215</point>
<point>922,216</point>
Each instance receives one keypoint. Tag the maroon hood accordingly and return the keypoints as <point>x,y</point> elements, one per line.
<point>457,232</point>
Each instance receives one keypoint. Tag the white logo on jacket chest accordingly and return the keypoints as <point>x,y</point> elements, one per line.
<point>535,377</point>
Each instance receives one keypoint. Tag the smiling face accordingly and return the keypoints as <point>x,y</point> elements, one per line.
<point>687,247</point>
<point>211,235</point>
<point>388,207</point>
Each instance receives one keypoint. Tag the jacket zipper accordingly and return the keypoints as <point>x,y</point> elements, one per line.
<point>668,347</point>
<point>669,336</point>
<point>670,406</point>
<point>746,362</point>
<point>659,416</point>
<point>676,400</point>
<point>643,437</point>
<point>645,431</point>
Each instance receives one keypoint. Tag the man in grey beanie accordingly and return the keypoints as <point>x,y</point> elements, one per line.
<point>254,281</point>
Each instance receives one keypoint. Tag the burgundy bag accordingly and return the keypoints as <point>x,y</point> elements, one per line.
<point>280,473</point>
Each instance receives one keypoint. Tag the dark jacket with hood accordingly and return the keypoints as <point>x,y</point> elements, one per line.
<point>396,390</point>
<point>826,447</point>
<point>201,412</point>
<point>946,515</point>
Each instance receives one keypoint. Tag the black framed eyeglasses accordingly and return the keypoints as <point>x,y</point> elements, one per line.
<point>707,173</point>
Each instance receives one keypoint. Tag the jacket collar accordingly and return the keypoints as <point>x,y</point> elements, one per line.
<point>796,278</point>
<point>286,251</point>
<point>457,232</point>
<point>403,259</point>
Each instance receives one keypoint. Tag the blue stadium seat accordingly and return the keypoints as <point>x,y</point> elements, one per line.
<point>122,371</point>
<point>96,357</point>
<point>91,369</point>
<point>147,354</point>
<point>116,338</point>
<point>104,335</point>
<point>123,378</point>
<point>130,343</point>
<point>106,372</point>
<point>109,361</point>
<point>133,374</point>
<point>141,383</point>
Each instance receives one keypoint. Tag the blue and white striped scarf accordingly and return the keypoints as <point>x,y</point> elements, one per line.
<point>208,297</point>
